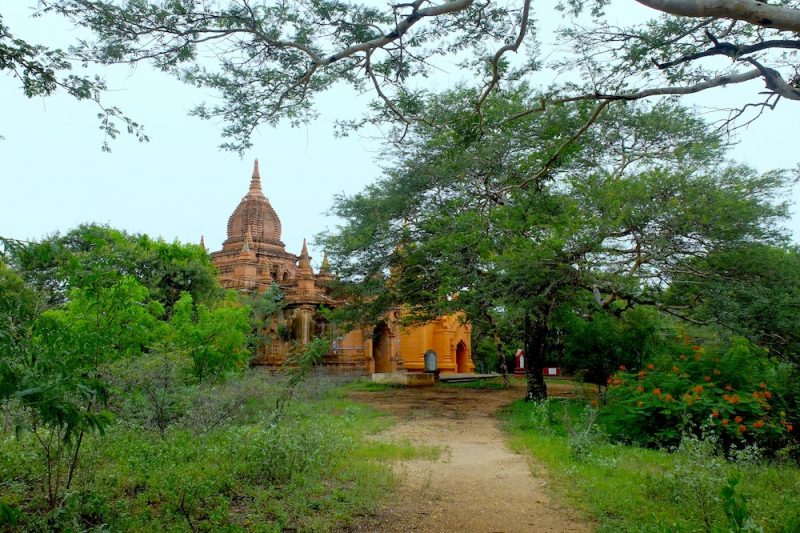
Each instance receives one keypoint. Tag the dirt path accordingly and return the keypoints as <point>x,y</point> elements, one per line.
<point>478,484</point>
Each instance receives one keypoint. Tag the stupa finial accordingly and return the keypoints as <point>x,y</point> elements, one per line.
<point>305,260</point>
<point>255,181</point>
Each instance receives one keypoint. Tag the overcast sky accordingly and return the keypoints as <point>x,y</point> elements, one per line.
<point>53,175</point>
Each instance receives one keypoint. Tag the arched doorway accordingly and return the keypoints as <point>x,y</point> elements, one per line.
<point>462,358</point>
<point>382,348</point>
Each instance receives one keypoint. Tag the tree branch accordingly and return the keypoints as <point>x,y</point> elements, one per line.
<point>753,11</point>
<point>401,29</point>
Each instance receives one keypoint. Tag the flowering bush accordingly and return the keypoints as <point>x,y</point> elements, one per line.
<point>725,389</point>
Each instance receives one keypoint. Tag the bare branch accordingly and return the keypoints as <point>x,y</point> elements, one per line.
<point>512,47</point>
<point>775,81</point>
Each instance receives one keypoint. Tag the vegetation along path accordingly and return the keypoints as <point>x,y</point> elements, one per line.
<point>477,483</point>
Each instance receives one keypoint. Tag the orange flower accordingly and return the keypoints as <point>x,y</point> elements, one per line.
<point>716,372</point>
<point>767,395</point>
<point>714,414</point>
<point>641,374</point>
<point>640,388</point>
<point>756,394</point>
<point>656,391</point>
<point>731,398</point>
<point>651,366</point>
<point>706,378</point>
<point>688,399</point>
<point>698,389</point>
<point>697,357</point>
<point>622,367</point>
<point>728,387</point>
<point>738,419</point>
<point>683,357</point>
<point>762,385</point>
<point>758,424</point>
<point>695,347</point>
<point>725,421</point>
<point>789,428</point>
<point>676,369</point>
<point>594,403</point>
<point>742,429</point>
<point>668,397</point>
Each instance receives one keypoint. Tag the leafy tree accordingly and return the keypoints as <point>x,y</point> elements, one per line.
<point>751,289</point>
<point>273,59</point>
<point>80,307</point>
<point>19,307</point>
<point>601,344</point>
<point>62,262</point>
<point>60,380</point>
<point>469,221</point>
<point>42,71</point>
<point>214,338</point>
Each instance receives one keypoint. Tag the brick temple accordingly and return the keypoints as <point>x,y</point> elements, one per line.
<point>253,257</point>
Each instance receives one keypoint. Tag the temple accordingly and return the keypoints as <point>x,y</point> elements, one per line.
<point>253,257</point>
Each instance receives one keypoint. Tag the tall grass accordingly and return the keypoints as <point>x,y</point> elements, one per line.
<point>630,489</point>
<point>222,467</point>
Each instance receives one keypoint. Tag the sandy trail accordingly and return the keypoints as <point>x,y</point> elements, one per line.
<point>478,484</point>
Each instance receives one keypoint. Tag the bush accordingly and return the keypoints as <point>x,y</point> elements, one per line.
<point>223,466</point>
<point>150,390</point>
<point>727,389</point>
<point>485,356</point>
<point>595,348</point>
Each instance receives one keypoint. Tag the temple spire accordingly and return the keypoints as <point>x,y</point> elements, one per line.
<point>255,181</point>
<point>202,242</point>
<point>248,238</point>
<point>326,266</point>
<point>305,260</point>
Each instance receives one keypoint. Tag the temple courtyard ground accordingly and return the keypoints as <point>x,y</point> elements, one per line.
<point>478,484</point>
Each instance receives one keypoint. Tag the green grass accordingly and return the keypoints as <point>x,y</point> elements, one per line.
<point>366,385</point>
<point>404,450</point>
<point>628,489</point>
<point>315,471</point>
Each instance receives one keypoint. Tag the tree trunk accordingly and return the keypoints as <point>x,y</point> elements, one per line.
<point>535,342</point>
<point>498,344</point>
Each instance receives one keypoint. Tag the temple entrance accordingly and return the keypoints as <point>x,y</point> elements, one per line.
<point>382,348</point>
<point>462,359</point>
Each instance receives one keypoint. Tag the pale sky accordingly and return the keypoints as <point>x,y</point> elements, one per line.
<point>53,175</point>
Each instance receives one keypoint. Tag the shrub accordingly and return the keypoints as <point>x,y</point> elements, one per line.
<point>595,348</point>
<point>726,388</point>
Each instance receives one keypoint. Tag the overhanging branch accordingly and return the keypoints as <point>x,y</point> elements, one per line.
<point>753,11</point>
